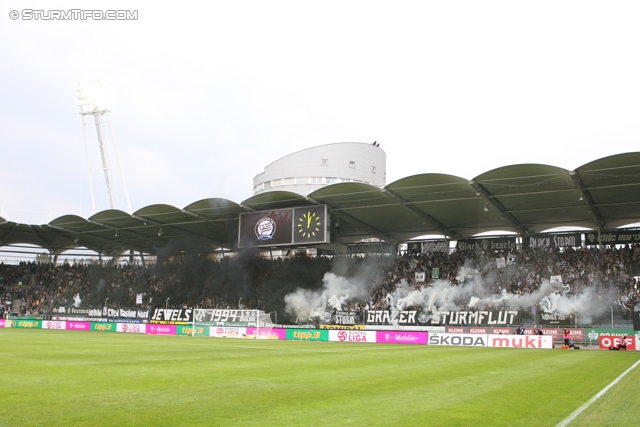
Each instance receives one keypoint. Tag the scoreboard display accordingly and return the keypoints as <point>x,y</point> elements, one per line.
<point>280,227</point>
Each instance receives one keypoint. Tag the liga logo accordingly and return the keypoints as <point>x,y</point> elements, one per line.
<point>352,336</point>
<point>265,228</point>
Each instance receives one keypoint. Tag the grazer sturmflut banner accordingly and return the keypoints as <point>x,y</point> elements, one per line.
<point>424,318</point>
<point>347,318</point>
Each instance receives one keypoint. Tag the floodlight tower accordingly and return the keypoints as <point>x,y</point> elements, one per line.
<point>92,102</point>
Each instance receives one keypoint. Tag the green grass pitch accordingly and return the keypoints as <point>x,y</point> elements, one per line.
<point>70,378</point>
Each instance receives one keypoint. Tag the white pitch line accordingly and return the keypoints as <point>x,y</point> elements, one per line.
<point>578,411</point>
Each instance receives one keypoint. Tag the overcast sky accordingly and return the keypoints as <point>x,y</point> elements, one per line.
<point>204,97</point>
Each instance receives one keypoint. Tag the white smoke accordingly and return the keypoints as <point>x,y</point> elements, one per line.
<point>471,290</point>
<point>336,293</point>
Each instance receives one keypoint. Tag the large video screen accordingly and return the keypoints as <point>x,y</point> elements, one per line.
<point>284,227</point>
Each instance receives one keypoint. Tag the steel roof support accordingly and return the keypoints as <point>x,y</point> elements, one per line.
<point>425,217</point>
<point>346,217</point>
<point>585,196</point>
<point>181,230</point>
<point>489,198</point>
<point>8,233</point>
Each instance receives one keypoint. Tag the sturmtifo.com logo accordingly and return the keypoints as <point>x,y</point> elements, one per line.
<point>265,228</point>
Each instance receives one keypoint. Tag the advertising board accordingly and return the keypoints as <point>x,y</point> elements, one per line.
<point>464,340</point>
<point>275,334</point>
<point>29,324</point>
<point>200,331</point>
<point>131,328</point>
<point>104,326</point>
<point>160,329</point>
<point>227,331</point>
<point>352,327</point>
<point>520,341</point>
<point>307,335</point>
<point>78,326</point>
<point>352,336</point>
<point>52,324</point>
<point>401,337</point>
<point>607,342</point>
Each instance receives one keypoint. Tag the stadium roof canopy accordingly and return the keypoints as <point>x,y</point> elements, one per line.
<point>525,199</point>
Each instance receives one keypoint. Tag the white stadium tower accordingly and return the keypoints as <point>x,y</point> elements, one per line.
<point>308,170</point>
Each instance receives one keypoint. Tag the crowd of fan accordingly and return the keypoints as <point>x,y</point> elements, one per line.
<point>247,281</point>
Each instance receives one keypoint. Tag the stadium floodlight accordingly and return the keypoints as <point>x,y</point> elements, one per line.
<point>92,100</point>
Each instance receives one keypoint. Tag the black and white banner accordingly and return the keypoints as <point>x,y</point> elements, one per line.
<point>555,319</point>
<point>171,315</point>
<point>552,240</point>
<point>496,244</point>
<point>137,314</point>
<point>346,318</point>
<point>225,316</point>
<point>613,237</point>
<point>462,318</point>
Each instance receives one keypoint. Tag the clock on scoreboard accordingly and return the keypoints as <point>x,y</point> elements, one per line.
<point>310,225</point>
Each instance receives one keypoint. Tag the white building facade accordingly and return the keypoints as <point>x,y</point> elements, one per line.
<point>308,170</point>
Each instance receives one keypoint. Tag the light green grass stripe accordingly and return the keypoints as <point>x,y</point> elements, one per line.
<point>578,411</point>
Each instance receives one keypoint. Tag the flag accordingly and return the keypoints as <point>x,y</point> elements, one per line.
<point>435,272</point>
<point>500,263</point>
<point>511,259</point>
<point>139,299</point>
<point>555,279</point>
<point>420,276</point>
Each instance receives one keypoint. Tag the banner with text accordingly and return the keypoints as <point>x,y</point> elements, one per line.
<point>480,245</point>
<point>347,318</point>
<point>307,335</point>
<point>352,336</point>
<point>401,337</point>
<point>607,342</point>
<point>465,340</point>
<point>424,318</point>
<point>520,341</point>
<point>552,240</point>
<point>613,237</point>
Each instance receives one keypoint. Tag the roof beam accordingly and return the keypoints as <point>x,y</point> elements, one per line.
<point>8,233</point>
<point>346,217</point>
<point>425,217</point>
<point>99,249</point>
<point>489,198</point>
<point>47,243</point>
<point>181,230</point>
<point>585,196</point>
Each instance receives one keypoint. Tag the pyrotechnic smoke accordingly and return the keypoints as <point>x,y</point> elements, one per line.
<point>356,280</point>
<point>473,292</point>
